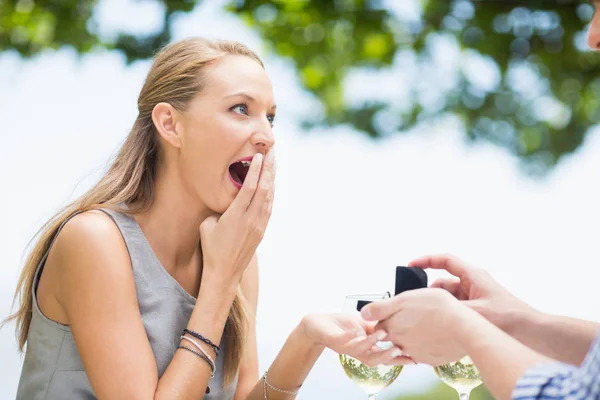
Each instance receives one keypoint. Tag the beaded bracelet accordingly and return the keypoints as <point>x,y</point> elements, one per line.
<point>205,340</point>
<point>200,349</point>
<point>266,383</point>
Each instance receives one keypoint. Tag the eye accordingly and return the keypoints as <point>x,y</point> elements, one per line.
<point>271,119</point>
<point>240,109</point>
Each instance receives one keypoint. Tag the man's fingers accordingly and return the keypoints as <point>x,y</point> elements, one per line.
<point>451,285</point>
<point>382,309</point>
<point>445,262</point>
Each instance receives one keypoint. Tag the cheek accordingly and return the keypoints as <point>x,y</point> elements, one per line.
<point>222,137</point>
<point>210,144</point>
<point>231,130</point>
<point>200,163</point>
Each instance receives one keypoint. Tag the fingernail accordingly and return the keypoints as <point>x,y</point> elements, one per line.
<point>366,313</point>
<point>258,157</point>
<point>396,353</point>
<point>381,335</point>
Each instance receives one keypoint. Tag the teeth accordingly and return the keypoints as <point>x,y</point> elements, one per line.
<point>246,163</point>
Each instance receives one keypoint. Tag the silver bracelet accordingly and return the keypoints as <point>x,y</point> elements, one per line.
<point>208,361</point>
<point>266,383</point>
<point>189,339</point>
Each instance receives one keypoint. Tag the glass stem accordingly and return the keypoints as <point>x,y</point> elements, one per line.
<point>372,397</point>
<point>464,395</point>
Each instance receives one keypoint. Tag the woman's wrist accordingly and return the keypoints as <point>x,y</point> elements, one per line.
<point>213,305</point>
<point>294,361</point>
<point>305,332</point>
<point>216,281</point>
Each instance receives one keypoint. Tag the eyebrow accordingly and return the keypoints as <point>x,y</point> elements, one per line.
<point>247,96</point>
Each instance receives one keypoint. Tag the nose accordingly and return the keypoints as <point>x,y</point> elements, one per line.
<point>594,33</point>
<point>263,140</point>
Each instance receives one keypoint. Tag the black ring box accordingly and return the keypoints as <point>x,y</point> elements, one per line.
<point>407,278</point>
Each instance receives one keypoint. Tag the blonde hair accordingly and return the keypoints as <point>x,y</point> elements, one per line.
<point>175,77</point>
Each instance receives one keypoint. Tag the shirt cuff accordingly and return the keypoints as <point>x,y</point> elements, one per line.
<point>532,384</point>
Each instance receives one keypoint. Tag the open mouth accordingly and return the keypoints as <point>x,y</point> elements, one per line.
<point>238,171</point>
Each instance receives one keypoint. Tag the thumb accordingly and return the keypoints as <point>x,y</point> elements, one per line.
<point>380,310</point>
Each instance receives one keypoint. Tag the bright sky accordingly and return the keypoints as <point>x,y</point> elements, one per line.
<point>348,210</point>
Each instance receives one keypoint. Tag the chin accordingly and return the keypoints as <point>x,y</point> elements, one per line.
<point>222,205</point>
<point>221,210</point>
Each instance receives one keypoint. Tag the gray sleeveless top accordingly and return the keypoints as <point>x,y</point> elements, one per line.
<point>53,370</point>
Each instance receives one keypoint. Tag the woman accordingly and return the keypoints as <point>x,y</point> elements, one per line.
<point>165,242</point>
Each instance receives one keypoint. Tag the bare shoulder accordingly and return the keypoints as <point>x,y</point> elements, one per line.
<point>89,237</point>
<point>89,229</point>
<point>89,256</point>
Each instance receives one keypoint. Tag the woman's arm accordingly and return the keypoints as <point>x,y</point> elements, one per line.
<point>96,290</point>
<point>291,366</point>
<point>344,334</point>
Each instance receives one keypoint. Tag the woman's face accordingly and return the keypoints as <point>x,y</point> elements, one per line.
<point>222,128</point>
<point>594,33</point>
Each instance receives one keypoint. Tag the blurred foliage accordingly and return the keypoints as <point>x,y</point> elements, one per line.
<point>31,26</point>
<point>543,96</point>
<point>443,392</point>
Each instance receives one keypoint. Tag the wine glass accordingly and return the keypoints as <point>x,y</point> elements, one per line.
<point>371,380</point>
<point>461,375</point>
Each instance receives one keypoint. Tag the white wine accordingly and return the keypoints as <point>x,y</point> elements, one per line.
<point>371,380</point>
<point>462,375</point>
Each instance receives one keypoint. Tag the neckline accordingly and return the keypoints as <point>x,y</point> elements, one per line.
<point>161,268</point>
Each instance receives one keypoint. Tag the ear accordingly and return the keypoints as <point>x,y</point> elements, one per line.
<point>165,117</point>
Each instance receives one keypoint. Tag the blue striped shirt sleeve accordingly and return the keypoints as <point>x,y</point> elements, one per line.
<point>558,381</point>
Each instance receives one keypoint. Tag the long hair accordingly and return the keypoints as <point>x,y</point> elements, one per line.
<point>175,77</point>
